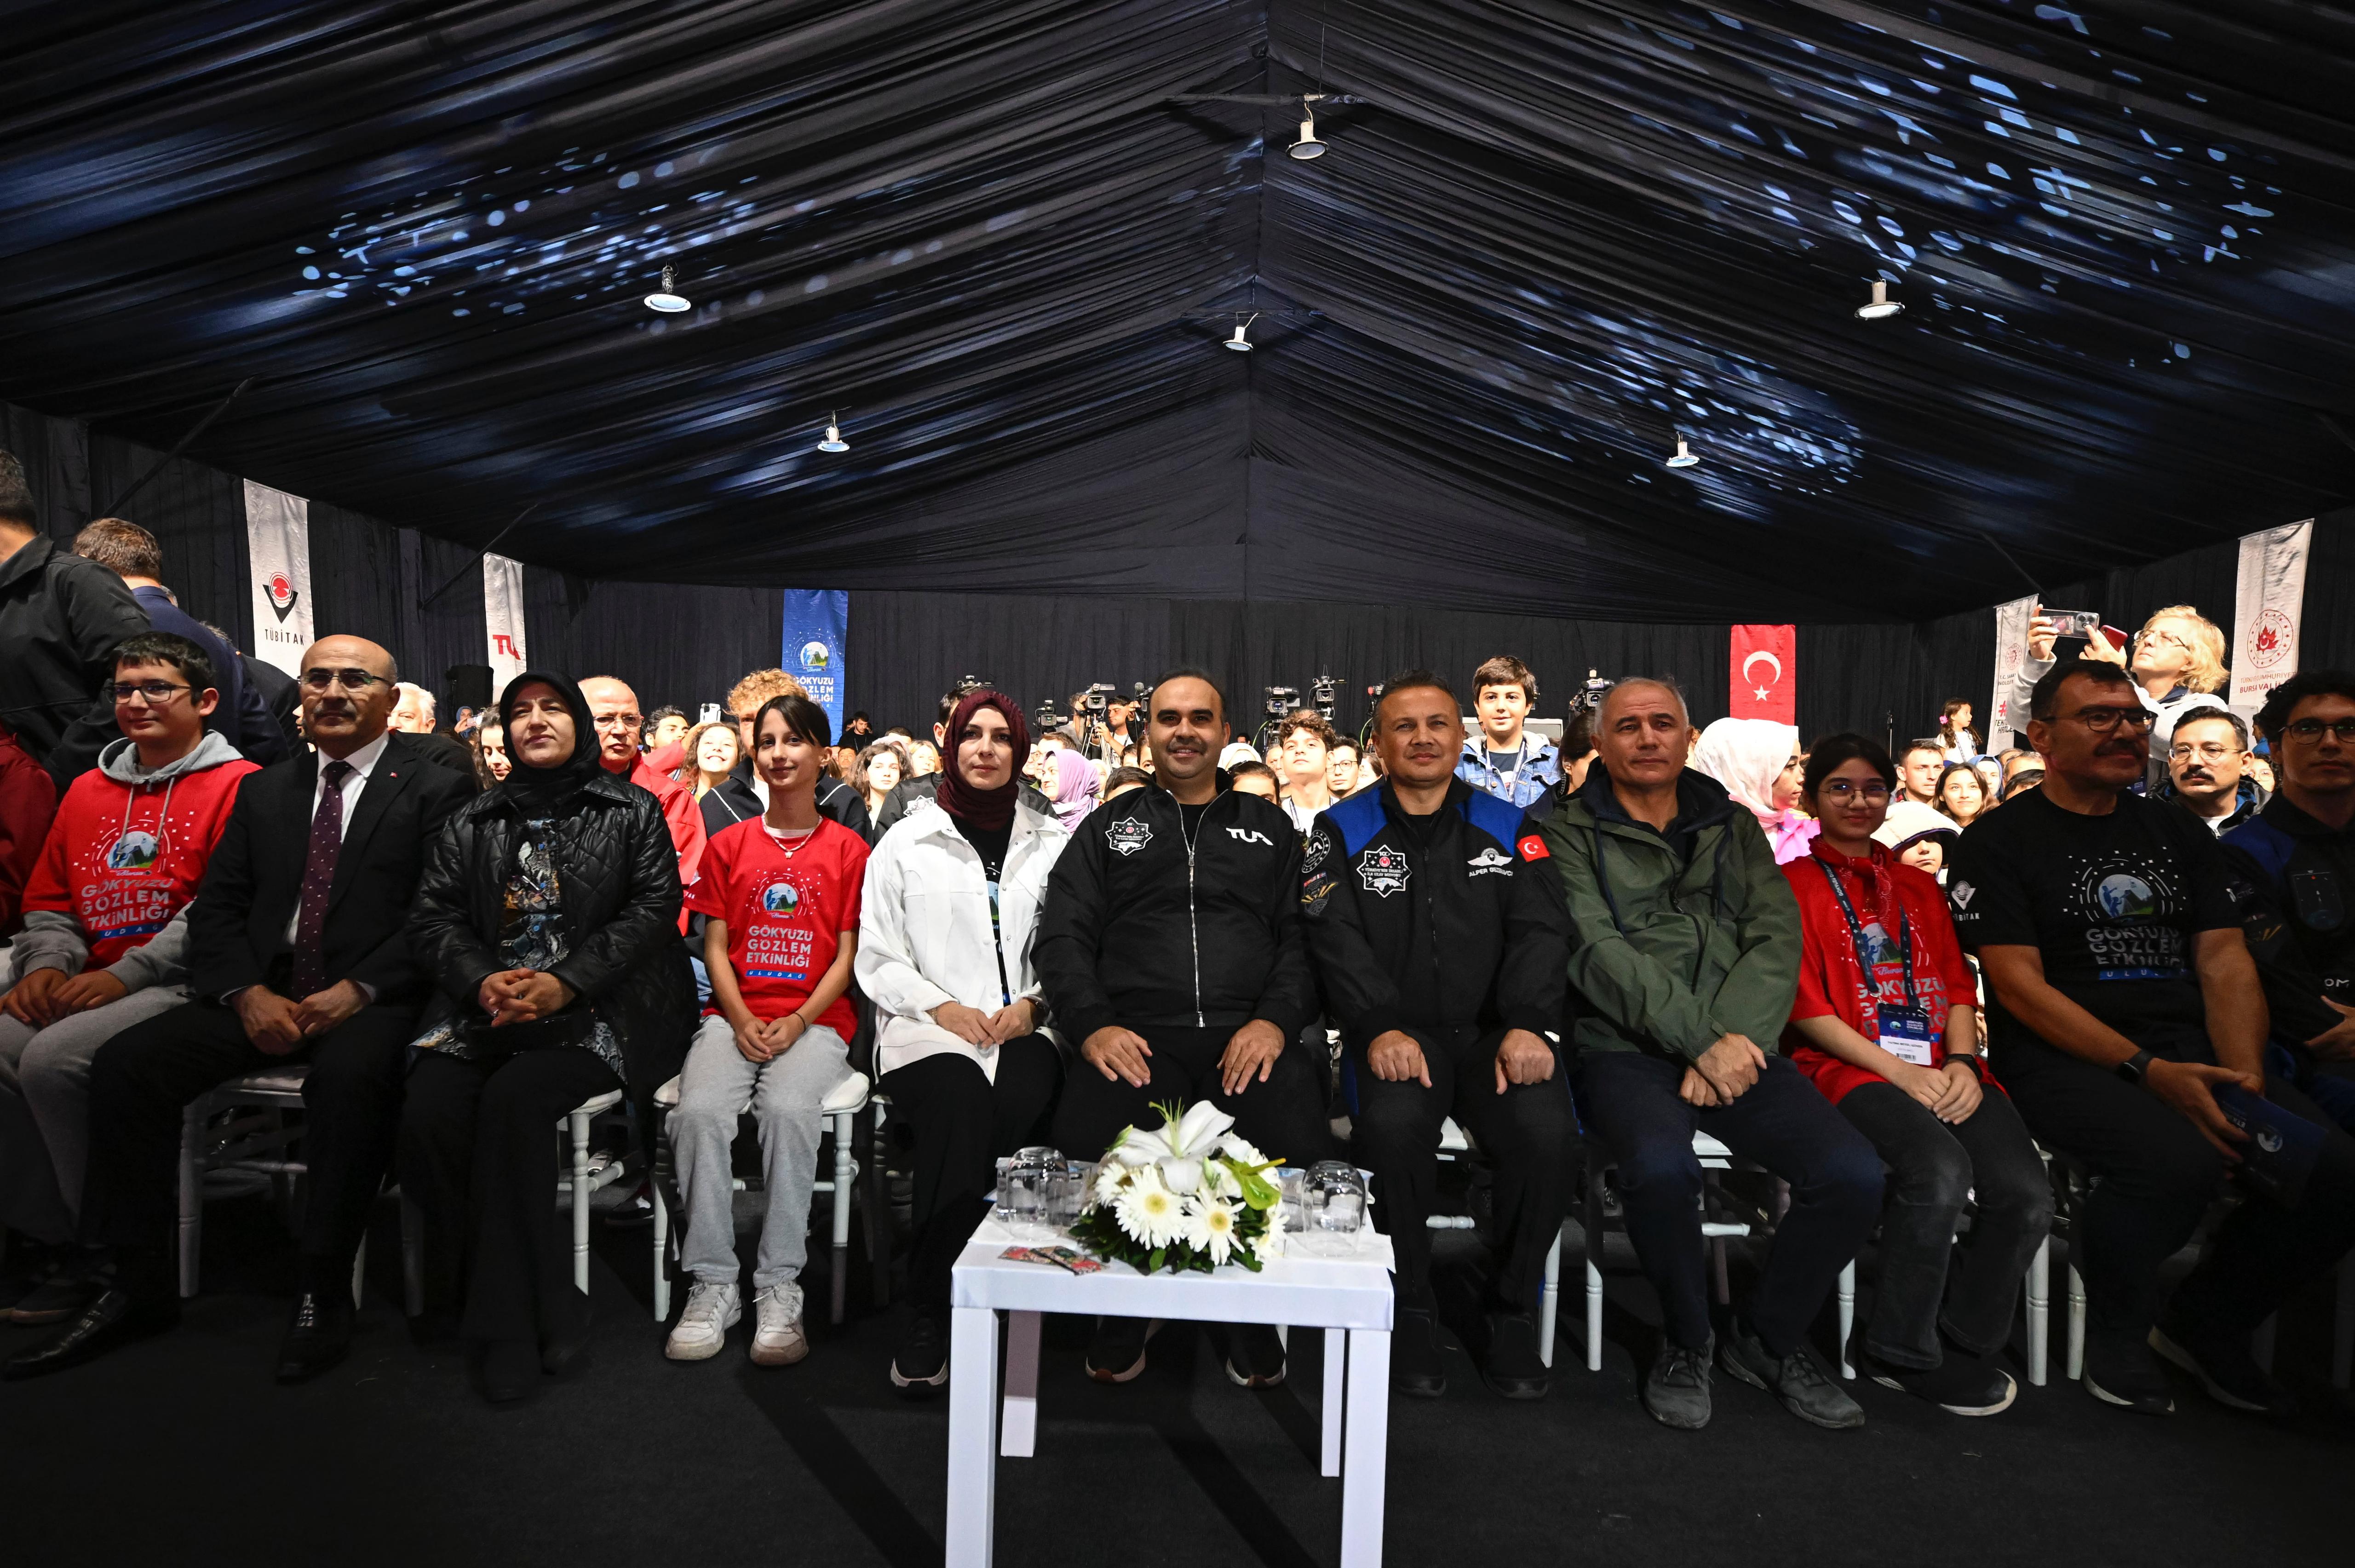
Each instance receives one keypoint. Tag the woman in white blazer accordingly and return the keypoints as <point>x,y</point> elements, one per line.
<point>944,930</point>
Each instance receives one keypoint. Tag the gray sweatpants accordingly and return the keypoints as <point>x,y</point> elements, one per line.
<point>45,1108</point>
<point>784,1095</point>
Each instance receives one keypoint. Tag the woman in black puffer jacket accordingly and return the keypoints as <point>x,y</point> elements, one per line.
<point>547,917</point>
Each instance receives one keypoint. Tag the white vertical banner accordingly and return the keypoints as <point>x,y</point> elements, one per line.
<point>2010,651</point>
<point>2267,604</point>
<point>278,546</point>
<point>503,620</point>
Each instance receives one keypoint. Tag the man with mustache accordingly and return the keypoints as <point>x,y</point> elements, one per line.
<point>2206,762</point>
<point>2126,1017</point>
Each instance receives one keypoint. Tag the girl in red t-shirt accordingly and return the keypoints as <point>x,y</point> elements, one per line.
<point>779,894</point>
<point>1885,1023</point>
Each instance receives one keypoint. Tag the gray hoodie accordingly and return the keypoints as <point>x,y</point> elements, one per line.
<point>53,940</point>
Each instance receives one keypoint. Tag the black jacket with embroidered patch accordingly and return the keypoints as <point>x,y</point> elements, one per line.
<point>1469,929</point>
<point>1138,929</point>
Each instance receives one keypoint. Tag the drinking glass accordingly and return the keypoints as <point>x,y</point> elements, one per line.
<point>1333,1197</point>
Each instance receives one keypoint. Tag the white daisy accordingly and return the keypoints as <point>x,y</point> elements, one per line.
<point>1149,1211</point>
<point>1214,1231</point>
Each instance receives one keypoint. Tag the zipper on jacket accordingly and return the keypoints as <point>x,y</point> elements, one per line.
<point>1193,931</point>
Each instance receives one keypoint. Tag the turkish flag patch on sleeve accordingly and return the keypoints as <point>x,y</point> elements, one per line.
<point>1533,848</point>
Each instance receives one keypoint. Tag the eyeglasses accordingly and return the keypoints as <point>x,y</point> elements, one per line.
<point>2147,638</point>
<point>157,693</point>
<point>2102,721</point>
<point>2212,751</point>
<point>1840,791</point>
<point>349,679</point>
<point>618,721</point>
<point>2304,731</point>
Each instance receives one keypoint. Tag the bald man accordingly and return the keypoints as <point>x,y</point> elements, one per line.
<point>620,724</point>
<point>298,953</point>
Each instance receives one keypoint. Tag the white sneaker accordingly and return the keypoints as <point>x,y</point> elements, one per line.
<point>778,1341</point>
<point>711,1311</point>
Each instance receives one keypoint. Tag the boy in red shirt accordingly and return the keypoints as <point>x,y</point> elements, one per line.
<point>104,939</point>
<point>779,894</point>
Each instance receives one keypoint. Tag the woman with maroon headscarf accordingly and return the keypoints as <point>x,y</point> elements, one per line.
<point>945,927</point>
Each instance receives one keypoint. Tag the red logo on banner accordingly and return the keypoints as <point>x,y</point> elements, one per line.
<point>1760,662</point>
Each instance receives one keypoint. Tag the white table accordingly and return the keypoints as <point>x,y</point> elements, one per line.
<point>1349,1298</point>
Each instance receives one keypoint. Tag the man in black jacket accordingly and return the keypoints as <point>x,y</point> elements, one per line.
<point>1441,939</point>
<point>298,950</point>
<point>1171,949</point>
<point>61,617</point>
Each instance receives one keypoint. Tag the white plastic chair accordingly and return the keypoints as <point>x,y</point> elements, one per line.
<point>256,1144</point>
<point>841,1107</point>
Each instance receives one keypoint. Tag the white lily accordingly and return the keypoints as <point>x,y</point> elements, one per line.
<point>1136,1146</point>
<point>1237,1147</point>
<point>1181,1175</point>
<point>1195,1136</point>
<point>1218,1181</point>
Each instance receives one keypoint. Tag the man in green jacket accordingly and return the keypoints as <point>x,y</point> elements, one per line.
<point>1685,950</point>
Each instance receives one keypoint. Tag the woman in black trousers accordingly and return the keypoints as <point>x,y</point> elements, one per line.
<point>548,916</point>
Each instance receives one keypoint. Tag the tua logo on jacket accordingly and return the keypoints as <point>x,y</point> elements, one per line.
<point>1383,870</point>
<point>1250,836</point>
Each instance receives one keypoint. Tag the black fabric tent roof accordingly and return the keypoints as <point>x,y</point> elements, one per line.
<point>1004,237</point>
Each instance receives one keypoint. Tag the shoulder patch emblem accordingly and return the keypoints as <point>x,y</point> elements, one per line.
<point>1491,862</point>
<point>1128,835</point>
<point>1961,893</point>
<point>1533,848</point>
<point>1316,842</point>
<point>1383,870</point>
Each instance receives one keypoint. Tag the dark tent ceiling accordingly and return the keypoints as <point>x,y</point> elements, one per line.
<point>1004,237</point>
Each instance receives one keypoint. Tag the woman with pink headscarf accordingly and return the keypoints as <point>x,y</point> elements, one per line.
<point>1073,779</point>
<point>1757,761</point>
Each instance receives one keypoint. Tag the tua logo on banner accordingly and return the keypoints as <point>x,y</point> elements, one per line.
<point>503,643</point>
<point>1760,663</point>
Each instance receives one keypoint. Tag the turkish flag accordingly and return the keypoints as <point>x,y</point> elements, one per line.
<point>1759,667</point>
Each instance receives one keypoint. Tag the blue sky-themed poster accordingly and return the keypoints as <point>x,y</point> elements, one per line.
<point>817,624</point>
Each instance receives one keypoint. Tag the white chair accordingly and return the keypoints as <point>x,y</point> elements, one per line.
<point>842,1106</point>
<point>254,1142</point>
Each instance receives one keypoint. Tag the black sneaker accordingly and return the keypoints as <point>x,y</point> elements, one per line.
<point>1676,1391</point>
<point>1417,1369</point>
<point>1512,1368</point>
<point>921,1365</point>
<point>2224,1367</point>
<point>1806,1391</point>
<point>1254,1356</point>
<point>1962,1385</point>
<point>2120,1370</point>
<point>1117,1352</point>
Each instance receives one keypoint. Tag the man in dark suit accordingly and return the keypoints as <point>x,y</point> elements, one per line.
<point>298,950</point>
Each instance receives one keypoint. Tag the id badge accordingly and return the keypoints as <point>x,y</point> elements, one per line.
<point>1905,1034</point>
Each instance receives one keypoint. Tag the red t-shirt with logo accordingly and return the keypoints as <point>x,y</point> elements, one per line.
<point>785,911</point>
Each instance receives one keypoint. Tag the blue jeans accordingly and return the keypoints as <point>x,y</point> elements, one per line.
<point>1629,1102</point>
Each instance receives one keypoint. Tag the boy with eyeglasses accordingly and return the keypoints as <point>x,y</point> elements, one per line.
<point>2294,867</point>
<point>2127,1020</point>
<point>104,944</point>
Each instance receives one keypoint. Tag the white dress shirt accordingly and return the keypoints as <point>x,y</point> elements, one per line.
<point>362,763</point>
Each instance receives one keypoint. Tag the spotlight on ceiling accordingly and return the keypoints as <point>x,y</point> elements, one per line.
<point>1308,147</point>
<point>1684,458</point>
<point>833,442</point>
<point>1881,305</point>
<point>1239,343</point>
<point>667,299</point>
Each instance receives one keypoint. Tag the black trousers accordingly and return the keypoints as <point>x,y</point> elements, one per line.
<point>2157,1176</point>
<point>141,1080</point>
<point>956,1122</point>
<point>481,1157</point>
<point>1526,1133</point>
<point>1926,1280</point>
<point>1284,1116</point>
<point>1629,1102</point>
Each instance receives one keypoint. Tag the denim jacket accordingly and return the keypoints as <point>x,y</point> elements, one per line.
<point>1538,771</point>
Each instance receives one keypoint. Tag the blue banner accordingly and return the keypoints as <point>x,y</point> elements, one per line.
<point>817,624</point>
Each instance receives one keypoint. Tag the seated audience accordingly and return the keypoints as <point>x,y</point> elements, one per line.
<point>1887,1025</point>
<point>1121,781</point>
<point>709,754</point>
<point>29,804</point>
<point>548,921</point>
<point>490,748</point>
<point>105,939</point>
<point>1961,794</point>
<point>952,910</point>
<point>2127,1018</point>
<point>1341,768</point>
<point>1577,752</point>
<point>746,794</point>
<point>1757,761</point>
<point>2207,769</point>
<point>1504,760</point>
<point>1685,952</point>
<point>779,897</point>
<point>924,766</point>
<point>413,715</point>
<point>614,708</point>
<point>1303,746</point>
<point>1918,768</point>
<point>298,950</point>
<point>1450,1003</point>
<point>1253,777</point>
<point>881,766</point>
<point>2295,869</point>
<point>665,727</point>
<point>1173,956</point>
<point>1917,836</point>
<point>1076,790</point>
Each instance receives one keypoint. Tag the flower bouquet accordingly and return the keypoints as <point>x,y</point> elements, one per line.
<point>1192,1195</point>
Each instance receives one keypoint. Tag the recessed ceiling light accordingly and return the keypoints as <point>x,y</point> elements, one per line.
<point>1684,458</point>
<point>1881,305</point>
<point>667,299</point>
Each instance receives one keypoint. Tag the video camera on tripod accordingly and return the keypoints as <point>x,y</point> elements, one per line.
<point>1323,693</point>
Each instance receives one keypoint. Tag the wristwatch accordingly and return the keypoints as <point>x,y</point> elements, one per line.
<point>1968,1059</point>
<point>2133,1068</point>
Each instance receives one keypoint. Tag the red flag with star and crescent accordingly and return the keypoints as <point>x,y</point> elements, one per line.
<point>1760,667</point>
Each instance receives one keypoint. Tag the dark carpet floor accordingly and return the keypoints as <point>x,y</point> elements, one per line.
<point>181,1451</point>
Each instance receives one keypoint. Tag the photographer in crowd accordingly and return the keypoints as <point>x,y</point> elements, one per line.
<point>1504,760</point>
<point>2176,662</point>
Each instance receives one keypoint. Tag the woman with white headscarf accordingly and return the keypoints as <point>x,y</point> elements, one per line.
<point>1757,761</point>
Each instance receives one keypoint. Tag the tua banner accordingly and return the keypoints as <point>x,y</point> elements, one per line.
<point>2010,652</point>
<point>818,622</point>
<point>1760,662</point>
<point>2265,612</point>
<point>278,546</point>
<point>503,620</point>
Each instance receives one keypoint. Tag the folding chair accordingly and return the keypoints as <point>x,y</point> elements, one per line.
<point>250,1135</point>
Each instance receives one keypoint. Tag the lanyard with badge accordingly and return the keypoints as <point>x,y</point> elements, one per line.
<point>1905,1031</point>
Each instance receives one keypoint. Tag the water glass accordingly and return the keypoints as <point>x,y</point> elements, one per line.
<point>1027,1188</point>
<point>1333,1197</point>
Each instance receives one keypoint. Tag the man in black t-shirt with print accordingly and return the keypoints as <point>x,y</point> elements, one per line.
<point>2126,1015</point>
